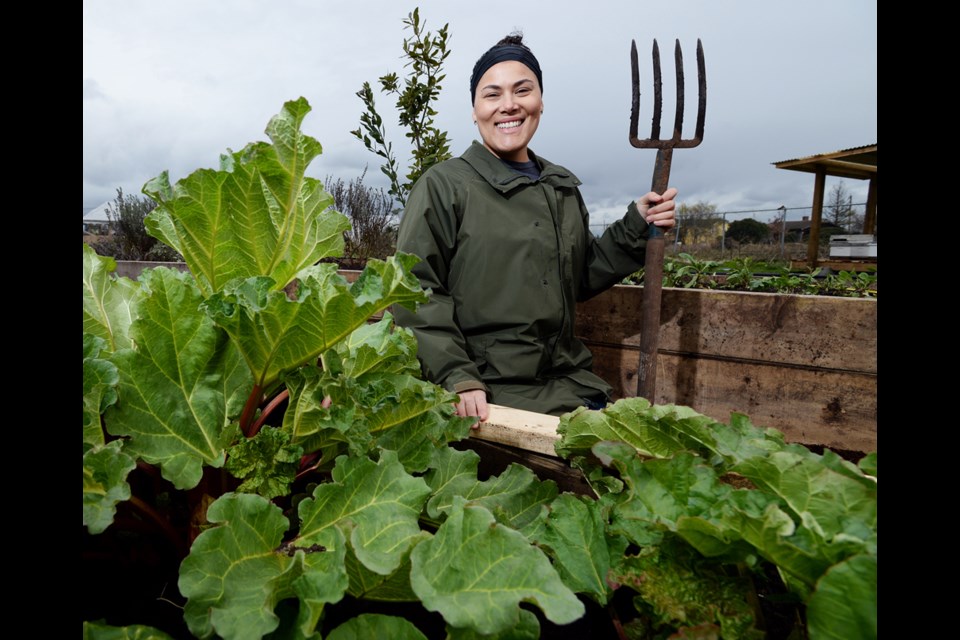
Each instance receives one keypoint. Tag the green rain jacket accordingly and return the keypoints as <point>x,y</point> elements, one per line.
<point>507,258</point>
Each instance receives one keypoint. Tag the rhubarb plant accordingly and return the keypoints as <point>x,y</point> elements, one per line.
<point>812,516</point>
<point>264,362</point>
<point>276,404</point>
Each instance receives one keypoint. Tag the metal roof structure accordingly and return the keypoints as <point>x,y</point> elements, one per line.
<point>859,163</point>
<point>98,215</point>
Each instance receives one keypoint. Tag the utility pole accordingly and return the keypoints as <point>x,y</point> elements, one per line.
<point>783,227</point>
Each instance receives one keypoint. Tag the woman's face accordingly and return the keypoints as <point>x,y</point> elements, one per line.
<point>507,109</point>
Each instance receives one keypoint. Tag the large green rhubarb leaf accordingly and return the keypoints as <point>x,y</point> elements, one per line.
<point>376,347</point>
<point>258,215</point>
<point>100,378</point>
<point>528,628</point>
<point>575,537</point>
<point>476,572</point>
<point>239,571</point>
<point>105,471</point>
<point>99,631</point>
<point>172,403</point>
<point>844,606</point>
<point>394,587</point>
<point>107,301</point>
<point>373,625</point>
<point>277,333</point>
<point>658,492</point>
<point>654,431</point>
<point>516,497</point>
<point>375,504</point>
<point>683,495</point>
<point>378,410</point>
<point>827,500</point>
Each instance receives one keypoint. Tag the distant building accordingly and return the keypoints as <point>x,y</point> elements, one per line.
<point>95,221</point>
<point>799,230</point>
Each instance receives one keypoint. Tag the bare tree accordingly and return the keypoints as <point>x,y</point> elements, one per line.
<point>699,223</point>
<point>373,218</point>
<point>840,210</point>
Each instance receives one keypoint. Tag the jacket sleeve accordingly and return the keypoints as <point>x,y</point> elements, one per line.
<point>616,254</point>
<point>429,231</point>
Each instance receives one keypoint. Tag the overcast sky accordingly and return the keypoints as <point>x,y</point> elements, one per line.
<point>171,85</point>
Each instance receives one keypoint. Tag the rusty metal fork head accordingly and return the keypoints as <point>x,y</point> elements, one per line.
<point>675,142</point>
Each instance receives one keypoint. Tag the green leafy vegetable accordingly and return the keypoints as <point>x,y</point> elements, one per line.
<point>97,631</point>
<point>371,625</point>
<point>257,216</point>
<point>237,572</point>
<point>172,404</point>
<point>376,505</point>
<point>105,470</point>
<point>107,301</point>
<point>476,573</point>
<point>576,538</point>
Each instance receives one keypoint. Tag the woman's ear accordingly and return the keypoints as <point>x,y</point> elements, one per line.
<point>473,114</point>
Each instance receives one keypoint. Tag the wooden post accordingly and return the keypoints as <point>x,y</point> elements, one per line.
<point>813,245</point>
<point>870,216</point>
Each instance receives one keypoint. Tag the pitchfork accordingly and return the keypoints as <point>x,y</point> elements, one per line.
<point>653,265</point>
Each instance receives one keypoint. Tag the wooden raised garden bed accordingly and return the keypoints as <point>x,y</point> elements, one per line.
<point>805,365</point>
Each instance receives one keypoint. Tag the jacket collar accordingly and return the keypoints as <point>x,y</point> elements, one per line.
<point>504,179</point>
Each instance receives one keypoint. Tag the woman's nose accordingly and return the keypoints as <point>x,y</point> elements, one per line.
<point>507,104</point>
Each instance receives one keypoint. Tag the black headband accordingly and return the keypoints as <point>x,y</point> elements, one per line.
<point>502,53</point>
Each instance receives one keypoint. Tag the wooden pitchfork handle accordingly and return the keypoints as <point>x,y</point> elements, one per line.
<point>653,261</point>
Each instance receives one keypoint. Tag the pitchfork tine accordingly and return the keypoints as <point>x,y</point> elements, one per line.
<point>678,119</point>
<point>657,93</point>
<point>635,104</point>
<point>702,82</point>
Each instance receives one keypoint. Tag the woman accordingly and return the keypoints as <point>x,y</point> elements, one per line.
<point>506,248</point>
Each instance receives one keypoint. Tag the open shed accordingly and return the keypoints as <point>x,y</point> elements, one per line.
<point>859,163</point>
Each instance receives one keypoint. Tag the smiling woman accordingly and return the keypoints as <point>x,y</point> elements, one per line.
<point>506,251</point>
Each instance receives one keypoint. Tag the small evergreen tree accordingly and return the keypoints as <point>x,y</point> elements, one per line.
<point>426,54</point>
<point>748,231</point>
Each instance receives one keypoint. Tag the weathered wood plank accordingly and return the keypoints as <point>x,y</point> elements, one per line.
<point>811,331</point>
<point>517,428</point>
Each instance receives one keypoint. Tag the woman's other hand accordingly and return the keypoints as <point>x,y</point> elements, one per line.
<point>474,403</point>
<point>659,209</point>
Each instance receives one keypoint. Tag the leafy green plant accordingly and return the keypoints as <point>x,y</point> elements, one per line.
<point>792,282</point>
<point>668,476</point>
<point>684,271</point>
<point>738,274</point>
<point>281,445</point>
<point>851,284</point>
<point>746,274</point>
<point>426,54</point>
<point>186,374</point>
